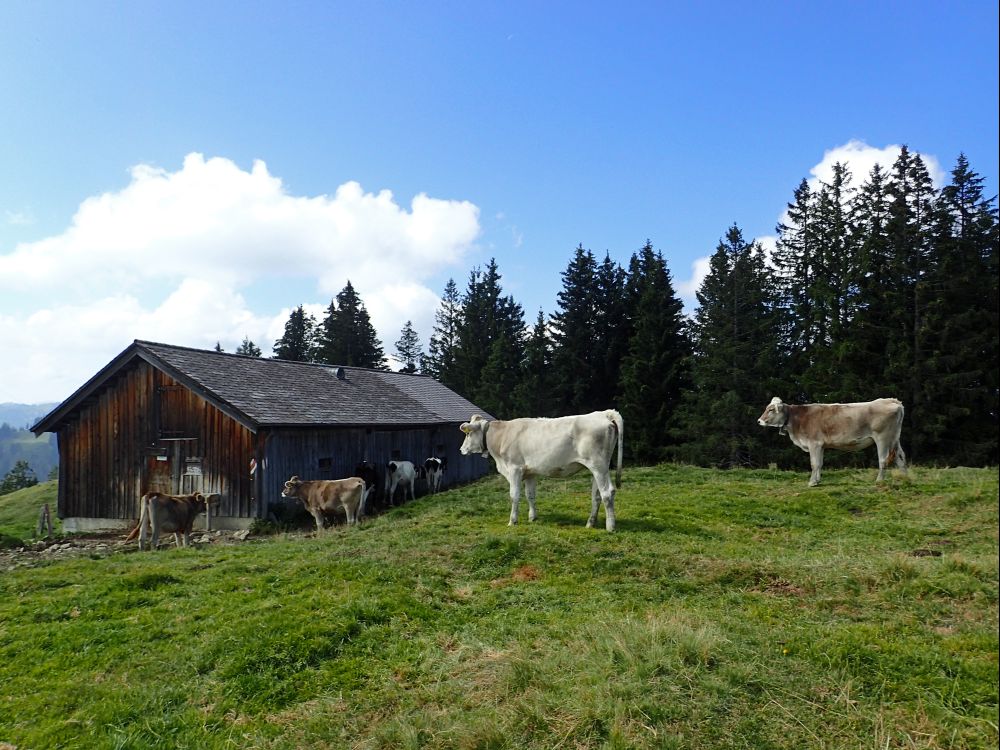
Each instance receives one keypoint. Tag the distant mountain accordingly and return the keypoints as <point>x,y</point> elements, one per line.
<point>17,443</point>
<point>23,415</point>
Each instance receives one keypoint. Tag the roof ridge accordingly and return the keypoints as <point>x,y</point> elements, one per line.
<point>144,343</point>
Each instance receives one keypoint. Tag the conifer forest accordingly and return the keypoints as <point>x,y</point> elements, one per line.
<point>879,285</point>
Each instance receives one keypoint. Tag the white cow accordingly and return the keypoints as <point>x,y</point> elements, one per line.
<point>400,474</point>
<point>525,449</point>
<point>845,427</point>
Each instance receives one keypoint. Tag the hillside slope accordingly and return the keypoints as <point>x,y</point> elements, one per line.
<point>730,610</point>
<point>19,510</point>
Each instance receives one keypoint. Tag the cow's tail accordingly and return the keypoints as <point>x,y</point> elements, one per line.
<point>619,424</point>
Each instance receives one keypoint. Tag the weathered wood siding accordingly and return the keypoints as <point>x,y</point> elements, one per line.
<point>333,453</point>
<point>147,432</point>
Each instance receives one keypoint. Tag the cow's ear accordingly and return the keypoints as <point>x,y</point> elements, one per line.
<point>466,428</point>
<point>776,401</point>
<point>294,478</point>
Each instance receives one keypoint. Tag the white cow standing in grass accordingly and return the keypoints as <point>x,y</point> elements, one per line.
<point>525,449</point>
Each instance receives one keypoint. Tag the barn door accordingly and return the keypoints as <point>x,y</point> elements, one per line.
<point>159,473</point>
<point>174,469</point>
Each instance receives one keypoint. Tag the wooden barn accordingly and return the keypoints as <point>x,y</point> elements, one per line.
<point>180,420</point>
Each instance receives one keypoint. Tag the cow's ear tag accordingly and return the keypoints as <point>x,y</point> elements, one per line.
<point>465,428</point>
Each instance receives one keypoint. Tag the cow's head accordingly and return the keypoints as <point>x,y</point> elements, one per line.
<point>204,501</point>
<point>475,436</point>
<point>775,415</point>
<point>292,487</point>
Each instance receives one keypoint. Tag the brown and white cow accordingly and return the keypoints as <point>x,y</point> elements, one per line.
<point>159,512</point>
<point>845,427</point>
<point>525,449</point>
<point>321,497</point>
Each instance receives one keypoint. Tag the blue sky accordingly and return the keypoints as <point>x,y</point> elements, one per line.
<point>188,172</point>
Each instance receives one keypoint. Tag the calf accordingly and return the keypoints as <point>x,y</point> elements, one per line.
<point>525,449</point>
<point>845,427</point>
<point>434,469</point>
<point>366,472</point>
<point>171,513</point>
<point>322,497</point>
<point>400,474</point>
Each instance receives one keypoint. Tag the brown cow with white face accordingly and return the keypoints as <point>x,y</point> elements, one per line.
<point>171,513</point>
<point>321,497</point>
<point>845,427</point>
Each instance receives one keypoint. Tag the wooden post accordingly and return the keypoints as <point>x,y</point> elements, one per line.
<point>44,522</point>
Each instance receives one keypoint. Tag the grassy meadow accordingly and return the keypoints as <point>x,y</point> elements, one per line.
<point>730,610</point>
<point>19,513</point>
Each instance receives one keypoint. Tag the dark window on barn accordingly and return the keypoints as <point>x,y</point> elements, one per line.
<point>325,464</point>
<point>172,416</point>
<point>439,449</point>
<point>396,454</point>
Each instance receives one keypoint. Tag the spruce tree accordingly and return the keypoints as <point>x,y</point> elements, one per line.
<point>440,360</point>
<point>864,374</point>
<point>534,395</point>
<point>961,330</point>
<point>20,476</point>
<point>796,258</point>
<point>248,348</point>
<point>500,377</point>
<point>346,336</point>
<point>613,332</point>
<point>830,290</point>
<point>655,369</point>
<point>298,343</point>
<point>408,349</point>
<point>486,315</point>
<point>574,336</point>
<point>735,372</point>
<point>910,232</point>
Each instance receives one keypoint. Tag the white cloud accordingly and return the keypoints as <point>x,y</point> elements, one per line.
<point>686,290</point>
<point>166,257</point>
<point>860,158</point>
<point>19,218</point>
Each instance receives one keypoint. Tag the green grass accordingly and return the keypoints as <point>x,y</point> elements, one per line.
<point>19,512</point>
<point>730,610</point>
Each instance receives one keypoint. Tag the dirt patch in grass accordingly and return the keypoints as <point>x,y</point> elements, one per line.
<point>520,575</point>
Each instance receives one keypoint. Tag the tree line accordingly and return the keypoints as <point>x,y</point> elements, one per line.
<point>885,288</point>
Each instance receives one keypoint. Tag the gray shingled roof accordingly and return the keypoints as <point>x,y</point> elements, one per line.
<point>271,392</point>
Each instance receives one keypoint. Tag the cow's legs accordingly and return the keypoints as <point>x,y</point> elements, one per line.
<point>514,479</point>
<point>413,489</point>
<point>595,496</point>
<point>352,517</point>
<point>603,488</point>
<point>318,517</point>
<point>816,461</point>
<point>530,486</point>
<point>887,455</point>
<point>883,458</point>
<point>900,457</point>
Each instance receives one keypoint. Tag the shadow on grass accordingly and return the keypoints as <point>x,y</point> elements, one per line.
<point>626,524</point>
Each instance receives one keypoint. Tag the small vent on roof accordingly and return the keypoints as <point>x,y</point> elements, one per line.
<point>340,373</point>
